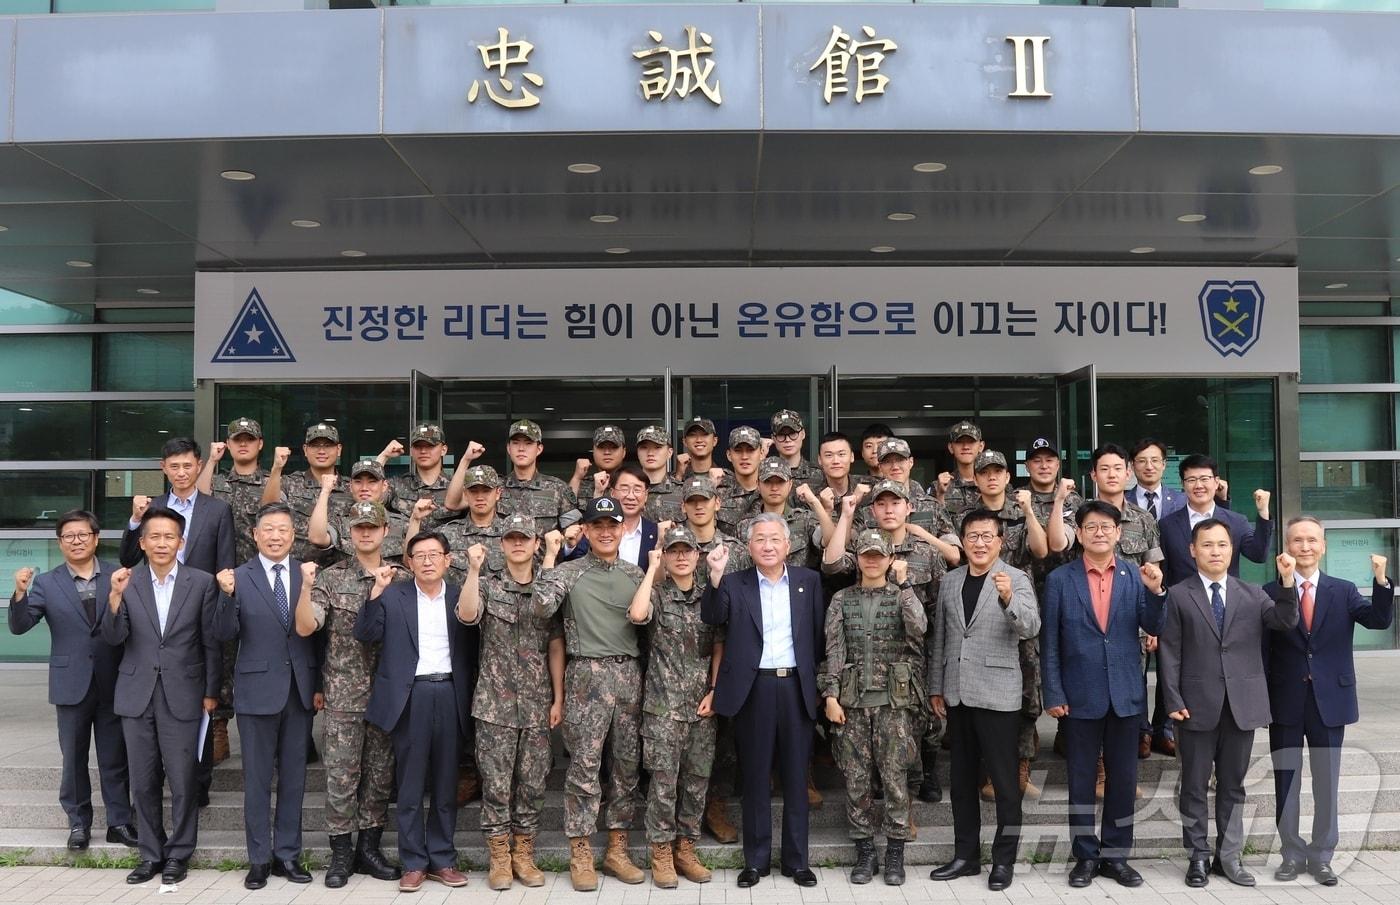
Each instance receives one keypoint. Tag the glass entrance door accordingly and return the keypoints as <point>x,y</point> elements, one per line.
<point>424,400</point>
<point>1077,407</point>
<point>735,401</point>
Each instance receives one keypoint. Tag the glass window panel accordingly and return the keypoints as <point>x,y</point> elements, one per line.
<point>1343,309</point>
<point>136,430</point>
<point>32,499</point>
<point>163,315</point>
<point>42,431</point>
<point>143,362</point>
<point>1349,556</point>
<point>1350,490</point>
<point>130,6</point>
<point>46,364</point>
<point>116,487</point>
<point>21,309</point>
<point>1344,421</point>
<point>40,553</point>
<point>1345,355</point>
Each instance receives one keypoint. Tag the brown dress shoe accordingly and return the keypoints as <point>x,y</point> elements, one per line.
<point>220,741</point>
<point>1028,788</point>
<point>717,821</point>
<point>448,876</point>
<point>412,880</point>
<point>814,797</point>
<point>1144,745</point>
<point>987,790</point>
<point>1165,746</point>
<point>1100,780</point>
<point>468,786</point>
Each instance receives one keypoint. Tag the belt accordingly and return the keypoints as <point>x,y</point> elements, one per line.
<point>614,658</point>
<point>434,677</point>
<point>781,673</point>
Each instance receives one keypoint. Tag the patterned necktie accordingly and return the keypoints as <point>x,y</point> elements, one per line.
<point>1307,606</point>
<point>1217,607</point>
<point>279,594</point>
<point>1152,503</point>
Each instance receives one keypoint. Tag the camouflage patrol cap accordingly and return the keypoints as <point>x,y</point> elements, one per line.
<point>1041,446</point>
<point>601,508</point>
<point>481,476</point>
<point>893,446</point>
<point>888,486</point>
<point>872,540</point>
<point>426,433</point>
<point>526,428</point>
<point>653,433</point>
<point>520,524</point>
<point>244,426</point>
<point>964,428</point>
<point>698,423</point>
<point>786,420</point>
<point>773,467</point>
<point>700,485</point>
<point>367,466</point>
<point>609,433</point>
<point>679,534</point>
<point>988,459</point>
<point>322,431</point>
<point>745,436</point>
<point>367,512</point>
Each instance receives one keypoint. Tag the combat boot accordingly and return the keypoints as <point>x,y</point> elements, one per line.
<point>220,741</point>
<point>930,790</point>
<point>498,874</point>
<point>1028,788</point>
<point>663,869</point>
<point>865,866</point>
<point>894,862</point>
<point>468,786</point>
<point>814,795</point>
<point>687,863</point>
<point>581,872</point>
<point>342,860</point>
<point>616,862</point>
<point>717,821</point>
<point>522,861</point>
<point>370,860</point>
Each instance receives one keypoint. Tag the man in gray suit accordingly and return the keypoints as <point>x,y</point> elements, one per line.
<point>82,674</point>
<point>163,615</point>
<point>1212,670</point>
<point>274,685</point>
<point>985,609</point>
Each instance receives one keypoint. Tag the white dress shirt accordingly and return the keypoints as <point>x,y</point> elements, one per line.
<point>164,591</point>
<point>776,604</point>
<point>1299,578</point>
<point>267,565</point>
<point>434,651</point>
<point>1195,518</point>
<point>631,546</point>
<point>186,509</point>
<point>1224,583</point>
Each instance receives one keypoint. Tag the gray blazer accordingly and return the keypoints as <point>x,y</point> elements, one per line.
<point>273,661</point>
<point>975,663</point>
<point>210,544</point>
<point>78,657</point>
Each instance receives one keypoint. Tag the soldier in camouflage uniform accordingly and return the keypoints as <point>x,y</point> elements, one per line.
<point>602,690</point>
<point>654,455</point>
<point>805,529</point>
<point>870,440</point>
<point>958,488</point>
<point>739,497</point>
<point>835,456</point>
<point>302,489</point>
<point>897,464</point>
<point>477,490</point>
<point>426,477</point>
<point>872,682</point>
<point>788,436</point>
<point>545,498</point>
<point>609,451</point>
<point>327,529</point>
<point>1050,494</point>
<point>678,722</point>
<point>359,757</point>
<point>700,440</point>
<point>519,698</point>
<point>700,505</point>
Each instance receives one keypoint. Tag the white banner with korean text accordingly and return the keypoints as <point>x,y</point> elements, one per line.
<point>746,321</point>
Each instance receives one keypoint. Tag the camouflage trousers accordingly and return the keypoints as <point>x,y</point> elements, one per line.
<point>931,730</point>
<point>359,763</point>
<point>879,741</point>
<point>724,775</point>
<point>678,756</point>
<point>602,706</point>
<point>514,766</point>
<point>1027,740</point>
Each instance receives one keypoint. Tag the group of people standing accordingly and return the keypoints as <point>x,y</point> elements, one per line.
<point>694,629</point>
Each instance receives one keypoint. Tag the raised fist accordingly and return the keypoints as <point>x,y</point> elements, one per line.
<point>860,493</point>
<point>1151,577</point>
<point>225,580</point>
<point>383,577</point>
<point>767,445</point>
<point>553,541</point>
<point>849,504</point>
<point>120,579</point>
<point>393,450</point>
<point>1286,564</point>
<point>308,572</point>
<point>573,533</point>
<point>1002,581</point>
<point>1066,487</point>
<point>717,475</point>
<point>476,557</point>
<point>1378,568</point>
<point>944,479</point>
<point>805,494</point>
<point>1261,503</point>
<point>216,450</point>
<point>474,451</point>
<point>280,455</point>
<point>682,462</point>
<point>423,508</point>
<point>716,560</point>
<point>329,482</point>
<point>601,481</point>
<point>581,467</point>
<point>139,505</point>
<point>1023,499</point>
<point>900,569</point>
<point>663,527</point>
<point>1222,489</point>
<point>653,559</point>
<point>828,498</point>
<point>25,575</point>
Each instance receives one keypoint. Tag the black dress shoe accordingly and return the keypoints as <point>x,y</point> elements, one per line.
<point>1120,873</point>
<point>1198,873</point>
<point>257,876</point>
<point>1000,877</point>
<point>291,869</point>
<point>750,876</point>
<point>143,872</point>
<point>204,798</point>
<point>1289,870</point>
<point>78,838</point>
<point>958,867</point>
<point>1324,874</point>
<point>1233,870</point>
<point>173,871</point>
<point>801,876</point>
<point>1083,873</point>
<point>124,833</point>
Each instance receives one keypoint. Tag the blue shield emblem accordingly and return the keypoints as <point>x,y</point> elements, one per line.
<point>1231,314</point>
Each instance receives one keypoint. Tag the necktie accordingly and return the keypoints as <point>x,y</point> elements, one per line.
<point>1307,606</point>
<point>1152,503</point>
<point>1217,607</point>
<point>279,594</point>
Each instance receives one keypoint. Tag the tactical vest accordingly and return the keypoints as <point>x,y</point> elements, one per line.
<point>880,668</point>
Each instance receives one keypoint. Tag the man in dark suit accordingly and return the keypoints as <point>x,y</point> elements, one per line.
<point>628,485</point>
<point>1089,648</point>
<point>1312,692</point>
<point>1201,479</point>
<point>1149,460</point>
<point>162,613</point>
<point>82,676</point>
<point>273,686</point>
<point>775,621</point>
<point>1212,652</point>
<point>422,696</point>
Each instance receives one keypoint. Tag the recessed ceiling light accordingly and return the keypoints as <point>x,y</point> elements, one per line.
<point>738,408</point>
<point>4,229</point>
<point>369,430</point>
<point>549,408</point>
<point>930,167</point>
<point>238,175</point>
<point>162,432</point>
<point>306,224</point>
<point>1150,414</point>
<point>584,169</point>
<point>1336,286</point>
<point>928,405</point>
<point>331,420</point>
<point>617,250</point>
<point>1142,250</point>
<point>24,408</point>
<point>603,218</point>
<point>79,264</point>
<point>147,291</point>
<point>352,253</point>
<point>1191,218</point>
<point>901,216</point>
<point>881,249</point>
<point>1266,169</point>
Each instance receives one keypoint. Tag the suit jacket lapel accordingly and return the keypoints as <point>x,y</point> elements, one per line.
<point>1233,597</point>
<point>70,590</point>
<point>449,598</point>
<point>141,579</point>
<point>410,611</point>
<point>178,595</point>
<point>259,581</point>
<point>1198,594</point>
<point>989,590</point>
<point>1319,611</point>
<point>752,601</point>
<point>795,609</point>
<point>1086,599</point>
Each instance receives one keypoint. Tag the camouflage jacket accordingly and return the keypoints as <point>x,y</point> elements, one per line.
<point>407,489</point>
<point>664,501</point>
<point>926,566</point>
<point>243,493</point>
<point>513,686</point>
<point>738,553</point>
<point>961,497</point>
<point>736,504</point>
<point>874,648</point>
<point>348,668</point>
<point>549,500</point>
<point>393,541</point>
<point>301,490</point>
<point>463,532</point>
<point>678,670</point>
<point>1015,546</point>
<point>1141,541</point>
<point>1041,504</point>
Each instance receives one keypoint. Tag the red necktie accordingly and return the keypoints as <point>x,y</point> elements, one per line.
<point>1307,606</point>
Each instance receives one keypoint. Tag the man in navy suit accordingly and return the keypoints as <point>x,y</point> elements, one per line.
<point>1200,477</point>
<point>82,676</point>
<point>1149,460</point>
<point>628,485</point>
<point>1312,693</point>
<point>1089,648</point>
<point>767,683</point>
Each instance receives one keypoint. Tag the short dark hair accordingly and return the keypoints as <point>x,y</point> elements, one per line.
<point>1146,443</point>
<point>274,508</point>
<point>631,469</point>
<point>424,537</point>
<point>878,429</point>
<point>77,515</point>
<point>834,437</point>
<point>1097,507</point>
<point>178,446</point>
<point>1198,460</point>
<point>1207,524</point>
<point>1108,449</point>
<point>981,514</point>
<point>154,512</point>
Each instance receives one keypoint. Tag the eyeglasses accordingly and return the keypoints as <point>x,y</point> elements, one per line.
<point>427,557</point>
<point>1098,528</point>
<point>1198,479</point>
<point>982,537</point>
<point>629,491</point>
<point>76,537</point>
